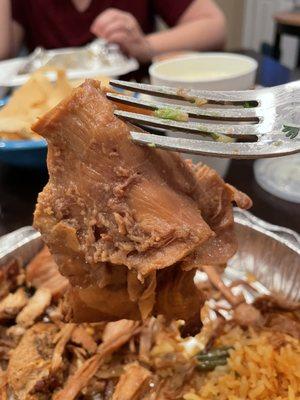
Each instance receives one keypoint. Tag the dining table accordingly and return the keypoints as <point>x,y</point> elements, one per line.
<point>19,187</point>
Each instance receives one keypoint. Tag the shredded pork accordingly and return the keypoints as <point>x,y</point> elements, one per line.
<point>12,304</point>
<point>115,335</point>
<point>133,383</point>
<point>34,308</point>
<point>31,361</point>
<point>127,360</point>
<point>126,224</point>
<point>42,272</point>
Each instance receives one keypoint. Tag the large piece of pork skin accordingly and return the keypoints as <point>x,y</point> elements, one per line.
<point>115,215</point>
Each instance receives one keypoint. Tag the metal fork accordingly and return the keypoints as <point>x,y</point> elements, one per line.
<point>267,121</point>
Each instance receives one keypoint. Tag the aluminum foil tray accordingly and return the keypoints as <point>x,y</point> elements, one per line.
<point>270,252</point>
<point>22,244</point>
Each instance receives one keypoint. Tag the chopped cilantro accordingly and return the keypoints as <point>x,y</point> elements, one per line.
<point>291,131</point>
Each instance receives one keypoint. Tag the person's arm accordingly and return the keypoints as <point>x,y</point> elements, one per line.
<point>11,32</point>
<point>201,27</point>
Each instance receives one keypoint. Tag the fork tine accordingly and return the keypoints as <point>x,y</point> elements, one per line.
<point>212,97</point>
<point>216,149</point>
<point>189,127</point>
<point>246,115</point>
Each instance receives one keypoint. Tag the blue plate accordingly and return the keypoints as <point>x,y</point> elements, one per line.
<point>24,153</point>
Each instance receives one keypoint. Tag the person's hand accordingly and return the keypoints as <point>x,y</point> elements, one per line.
<point>121,27</point>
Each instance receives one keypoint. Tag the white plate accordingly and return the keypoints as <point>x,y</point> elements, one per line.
<point>280,176</point>
<point>9,70</point>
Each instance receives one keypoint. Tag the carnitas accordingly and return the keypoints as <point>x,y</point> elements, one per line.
<point>128,225</point>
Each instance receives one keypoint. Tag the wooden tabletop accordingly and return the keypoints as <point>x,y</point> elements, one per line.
<point>288,18</point>
<point>19,187</point>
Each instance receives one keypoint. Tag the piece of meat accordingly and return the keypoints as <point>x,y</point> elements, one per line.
<point>115,335</point>
<point>133,383</point>
<point>9,339</point>
<point>111,204</point>
<point>81,337</point>
<point>216,281</point>
<point>284,323</point>
<point>147,337</point>
<point>3,384</point>
<point>105,300</point>
<point>214,199</point>
<point>34,308</point>
<point>247,315</point>
<point>30,362</point>
<point>125,206</point>
<point>6,344</point>
<point>12,304</point>
<point>170,292</point>
<point>142,293</point>
<point>241,200</point>
<point>61,340</point>
<point>11,276</point>
<point>42,272</point>
<point>15,333</point>
<point>273,303</point>
<point>178,298</point>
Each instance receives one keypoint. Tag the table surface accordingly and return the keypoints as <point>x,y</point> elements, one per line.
<point>288,18</point>
<point>19,187</point>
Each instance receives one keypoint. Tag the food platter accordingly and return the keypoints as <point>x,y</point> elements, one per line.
<point>280,271</point>
<point>13,71</point>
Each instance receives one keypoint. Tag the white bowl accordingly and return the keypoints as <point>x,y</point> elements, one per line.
<point>206,71</point>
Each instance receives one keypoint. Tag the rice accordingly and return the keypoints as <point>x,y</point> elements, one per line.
<point>263,365</point>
